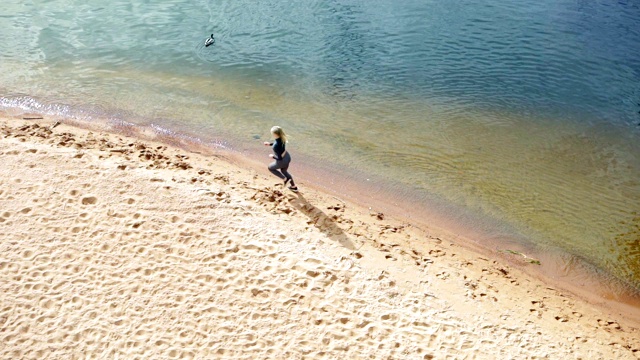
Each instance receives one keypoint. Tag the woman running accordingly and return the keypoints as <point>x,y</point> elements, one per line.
<point>281,156</point>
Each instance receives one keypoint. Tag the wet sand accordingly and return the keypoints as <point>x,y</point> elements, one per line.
<point>118,247</point>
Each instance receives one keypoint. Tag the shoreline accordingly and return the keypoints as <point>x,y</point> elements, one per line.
<point>582,278</point>
<point>476,228</point>
<point>413,258</point>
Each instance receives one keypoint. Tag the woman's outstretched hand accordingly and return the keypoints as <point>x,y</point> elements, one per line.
<point>271,156</point>
<point>267,143</point>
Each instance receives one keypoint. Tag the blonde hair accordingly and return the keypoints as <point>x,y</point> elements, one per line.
<point>278,131</point>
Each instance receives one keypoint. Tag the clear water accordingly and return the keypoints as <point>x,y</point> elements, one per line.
<point>522,112</point>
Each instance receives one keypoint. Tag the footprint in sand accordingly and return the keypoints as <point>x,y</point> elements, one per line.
<point>609,325</point>
<point>89,200</point>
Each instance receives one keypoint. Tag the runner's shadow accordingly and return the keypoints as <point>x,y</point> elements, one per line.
<point>322,221</point>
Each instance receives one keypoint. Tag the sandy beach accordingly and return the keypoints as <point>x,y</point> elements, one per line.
<point>119,248</point>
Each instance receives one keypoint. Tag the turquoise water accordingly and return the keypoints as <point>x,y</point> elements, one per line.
<point>524,114</point>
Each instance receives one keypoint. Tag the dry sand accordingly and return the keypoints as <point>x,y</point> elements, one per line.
<point>117,248</point>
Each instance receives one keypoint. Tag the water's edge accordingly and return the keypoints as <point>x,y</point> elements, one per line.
<point>582,278</point>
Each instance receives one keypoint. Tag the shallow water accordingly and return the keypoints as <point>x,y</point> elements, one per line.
<point>524,114</point>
